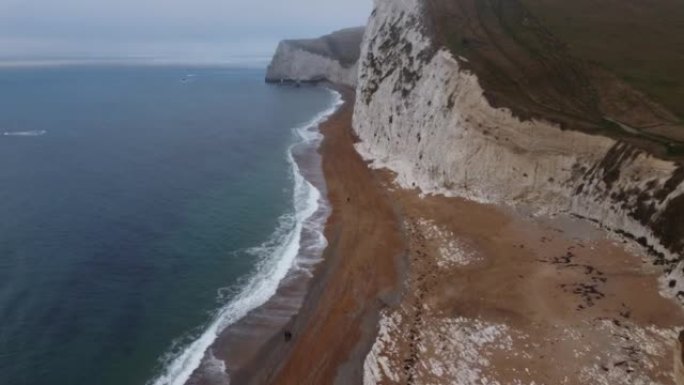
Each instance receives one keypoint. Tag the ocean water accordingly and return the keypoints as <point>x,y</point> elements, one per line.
<point>141,210</point>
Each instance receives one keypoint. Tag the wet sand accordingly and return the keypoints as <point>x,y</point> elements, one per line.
<point>434,290</point>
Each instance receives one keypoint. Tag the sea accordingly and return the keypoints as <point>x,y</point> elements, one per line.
<point>142,210</point>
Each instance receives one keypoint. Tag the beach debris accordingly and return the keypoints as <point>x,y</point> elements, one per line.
<point>452,251</point>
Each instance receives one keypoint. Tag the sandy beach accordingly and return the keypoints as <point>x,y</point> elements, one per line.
<point>420,290</point>
<point>328,318</point>
<point>335,327</point>
<point>499,298</point>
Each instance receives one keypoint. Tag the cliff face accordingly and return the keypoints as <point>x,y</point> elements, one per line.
<point>332,57</point>
<point>419,113</point>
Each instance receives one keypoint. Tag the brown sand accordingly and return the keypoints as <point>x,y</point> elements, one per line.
<point>486,295</point>
<point>361,265</point>
<point>497,297</point>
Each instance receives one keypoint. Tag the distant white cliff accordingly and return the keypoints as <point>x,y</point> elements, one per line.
<point>331,58</point>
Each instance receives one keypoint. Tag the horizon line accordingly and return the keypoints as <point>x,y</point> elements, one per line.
<point>235,61</point>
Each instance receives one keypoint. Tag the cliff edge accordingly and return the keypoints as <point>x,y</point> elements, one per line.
<point>333,58</point>
<point>454,105</point>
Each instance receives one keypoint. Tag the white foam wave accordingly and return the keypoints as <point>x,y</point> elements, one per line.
<point>278,256</point>
<point>25,133</point>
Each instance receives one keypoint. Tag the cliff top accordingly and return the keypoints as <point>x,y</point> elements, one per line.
<point>343,45</point>
<point>610,66</point>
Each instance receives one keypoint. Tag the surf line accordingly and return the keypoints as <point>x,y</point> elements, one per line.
<point>279,255</point>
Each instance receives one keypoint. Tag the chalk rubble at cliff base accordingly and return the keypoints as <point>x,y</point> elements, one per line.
<point>537,301</point>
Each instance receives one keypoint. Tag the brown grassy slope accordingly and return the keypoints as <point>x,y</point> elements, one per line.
<point>529,67</point>
<point>641,41</point>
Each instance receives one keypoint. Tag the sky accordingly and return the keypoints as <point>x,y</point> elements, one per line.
<point>182,30</point>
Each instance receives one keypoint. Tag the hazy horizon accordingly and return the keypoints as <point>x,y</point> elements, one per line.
<point>205,31</point>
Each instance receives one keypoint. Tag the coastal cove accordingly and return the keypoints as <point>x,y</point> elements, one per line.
<point>467,192</point>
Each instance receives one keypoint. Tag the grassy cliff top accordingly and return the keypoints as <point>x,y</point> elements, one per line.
<point>614,67</point>
<point>641,41</point>
<point>343,45</point>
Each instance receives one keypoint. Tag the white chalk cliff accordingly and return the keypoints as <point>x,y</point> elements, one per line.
<point>331,58</point>
<point>421,115</point>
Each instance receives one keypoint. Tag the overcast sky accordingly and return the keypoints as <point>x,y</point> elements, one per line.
<point>192,30</point>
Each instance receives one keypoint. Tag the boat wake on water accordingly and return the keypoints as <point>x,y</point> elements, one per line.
<point>25,133</point>
<point>277,256</point>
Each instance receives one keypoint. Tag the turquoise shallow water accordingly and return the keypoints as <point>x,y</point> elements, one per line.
<point>129,198</point>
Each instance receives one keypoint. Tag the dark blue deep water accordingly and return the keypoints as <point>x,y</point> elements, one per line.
<point>127,198</point>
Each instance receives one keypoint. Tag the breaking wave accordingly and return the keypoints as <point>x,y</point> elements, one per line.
<point>276,257</point>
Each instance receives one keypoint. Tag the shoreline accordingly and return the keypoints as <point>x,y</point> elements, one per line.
<point>335,326</point>
<point>268,343</point>
<point>242,345</point>
<point>361,272</point>
<point>235,338</point>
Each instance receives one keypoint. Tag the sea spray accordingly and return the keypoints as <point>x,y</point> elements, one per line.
<point>277,256</point>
